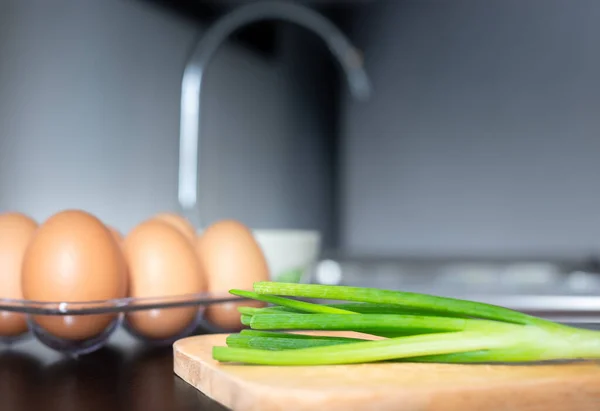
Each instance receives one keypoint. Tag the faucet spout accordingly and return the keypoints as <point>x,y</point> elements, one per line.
<point>191,86</point>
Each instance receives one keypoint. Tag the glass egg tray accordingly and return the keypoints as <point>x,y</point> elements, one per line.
<point>38,314</point>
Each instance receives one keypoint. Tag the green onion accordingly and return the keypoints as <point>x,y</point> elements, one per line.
<point>364,351</point>
<point>546,344</point>
<point>282,341</point>
<point>399,298</point>
<point>266,310</point>
<point>250,310</point>
<point>275,344</point>
<point>296,336</point>
<point>415,327</point>
<point>368,323</point>
<point>286,302</point>
<point>359,308</point>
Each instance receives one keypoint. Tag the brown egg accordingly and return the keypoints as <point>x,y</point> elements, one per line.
<point>180,223</point>
<point>16,230</point>
<point>73,257</point>
<point>117,236</point>
<point>161,263</point>
<point>231,258</point>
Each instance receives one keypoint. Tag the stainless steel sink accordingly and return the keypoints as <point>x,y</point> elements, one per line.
<point>566,291</point>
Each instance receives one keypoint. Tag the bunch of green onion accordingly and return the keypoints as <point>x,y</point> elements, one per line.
<point>393,326</point>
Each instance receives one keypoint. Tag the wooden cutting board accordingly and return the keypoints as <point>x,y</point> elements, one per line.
<point>387,387</point>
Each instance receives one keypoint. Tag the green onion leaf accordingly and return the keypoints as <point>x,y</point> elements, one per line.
<point>365,351</point>
<point>369,323</point>
<point>401,298</point>
<point>287,302</point>
<point>276,343</point>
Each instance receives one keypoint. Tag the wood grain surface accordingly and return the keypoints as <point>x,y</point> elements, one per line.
<point>387,387</point>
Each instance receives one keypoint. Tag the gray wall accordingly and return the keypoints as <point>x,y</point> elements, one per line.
<point>89,118</point>
<point>483,134</point>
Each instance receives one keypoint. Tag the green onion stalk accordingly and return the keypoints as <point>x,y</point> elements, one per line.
<point>394,326</point>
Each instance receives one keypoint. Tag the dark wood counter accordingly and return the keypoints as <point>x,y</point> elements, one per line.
<point>122,376</point>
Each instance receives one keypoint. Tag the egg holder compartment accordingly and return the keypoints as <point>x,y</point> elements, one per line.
<point>121,307</point>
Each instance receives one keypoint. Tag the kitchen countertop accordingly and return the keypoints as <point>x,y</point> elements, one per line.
<point>122,376</point>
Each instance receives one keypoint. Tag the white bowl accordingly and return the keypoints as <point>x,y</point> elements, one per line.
<point>290,254</point>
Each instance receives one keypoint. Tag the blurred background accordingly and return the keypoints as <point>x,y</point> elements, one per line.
<point>472,168</point>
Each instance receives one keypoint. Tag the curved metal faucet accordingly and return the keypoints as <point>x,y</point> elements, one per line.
<point>191,85</point>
